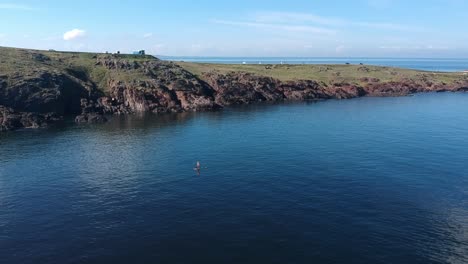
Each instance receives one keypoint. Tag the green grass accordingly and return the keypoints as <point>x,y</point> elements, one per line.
<point>24,63</point>
<point>324,73</point>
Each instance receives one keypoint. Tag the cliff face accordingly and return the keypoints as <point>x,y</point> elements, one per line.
<point>10,119</point>
<point>43,92</point>
<point>169,88</point>
<point>162,87</point>
<point>49,92</point>
<point>165,87</point>
<point>245,88</point>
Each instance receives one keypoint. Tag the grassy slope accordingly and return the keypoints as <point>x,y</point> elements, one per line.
<point>25,63</point>
<point>21,62</point>
<point>326,73</point>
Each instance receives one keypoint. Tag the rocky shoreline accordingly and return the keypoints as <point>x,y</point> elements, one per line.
<point>10,119</point>
<point>47,94</point>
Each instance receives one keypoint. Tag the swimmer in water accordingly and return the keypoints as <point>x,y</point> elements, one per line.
<point>197,168</point>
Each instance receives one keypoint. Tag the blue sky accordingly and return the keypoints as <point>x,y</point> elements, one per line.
<point>358,28</point>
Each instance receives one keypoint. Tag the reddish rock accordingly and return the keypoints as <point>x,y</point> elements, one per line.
<point>160,86</point>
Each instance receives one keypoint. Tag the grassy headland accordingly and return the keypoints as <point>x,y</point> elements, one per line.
<point>37,87</point>
<point>325,73</point>
<point>25,62</point>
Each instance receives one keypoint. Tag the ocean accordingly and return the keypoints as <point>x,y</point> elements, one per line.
<point>428,64</point>
<point>368,180</point>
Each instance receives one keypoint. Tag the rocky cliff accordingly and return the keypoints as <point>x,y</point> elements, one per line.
<point>11,119</point>
<point>91,86</point>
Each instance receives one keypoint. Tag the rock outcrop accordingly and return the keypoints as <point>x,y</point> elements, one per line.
<point>244,88</point>
<point>10,119</point>
<point>164,87</point>
<point>48,94</point>
<point>44,92</point>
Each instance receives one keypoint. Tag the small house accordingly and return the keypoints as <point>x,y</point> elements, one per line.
<point>140,52</point>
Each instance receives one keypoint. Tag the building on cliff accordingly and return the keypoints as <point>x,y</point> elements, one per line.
<point>140,52</point>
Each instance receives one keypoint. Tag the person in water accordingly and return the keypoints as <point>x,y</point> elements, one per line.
<point>197,167</point>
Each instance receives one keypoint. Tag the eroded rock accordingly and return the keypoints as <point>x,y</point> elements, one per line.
<point>11,120</point>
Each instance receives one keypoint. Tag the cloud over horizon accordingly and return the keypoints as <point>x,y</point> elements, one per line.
<point>273,26</point>
<point>316,23</point>
<point>378,28</point>
<point>74,34</point>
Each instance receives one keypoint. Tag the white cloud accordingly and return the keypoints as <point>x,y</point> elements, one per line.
<point>148,35</point>
<point>311,20</point>
<point>281,27</point>
<point>74,34</point>
<point>15,6</point>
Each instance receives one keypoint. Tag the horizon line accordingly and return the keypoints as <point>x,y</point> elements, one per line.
<point>247,57</point>
<point>310,57</point>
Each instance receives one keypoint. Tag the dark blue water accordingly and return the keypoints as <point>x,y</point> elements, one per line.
<point>371,180</point>
<point>444,65</point>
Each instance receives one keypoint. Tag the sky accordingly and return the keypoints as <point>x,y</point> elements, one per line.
<point>241,28</point>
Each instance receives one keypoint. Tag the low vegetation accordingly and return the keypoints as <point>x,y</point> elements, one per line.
<point>24,62</point>
<point>40,87</point>
<point>356,74</point>
<point>84,66</point>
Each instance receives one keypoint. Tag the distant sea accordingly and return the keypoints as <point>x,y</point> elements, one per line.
<point>445,65</point>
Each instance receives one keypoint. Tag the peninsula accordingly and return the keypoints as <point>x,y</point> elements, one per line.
<point>38,88</point>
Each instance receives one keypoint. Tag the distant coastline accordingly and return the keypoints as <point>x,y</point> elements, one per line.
<point>38,88</point>
<point>424,64</point>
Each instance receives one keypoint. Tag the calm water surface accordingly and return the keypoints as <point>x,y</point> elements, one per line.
<point>371,180</point>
